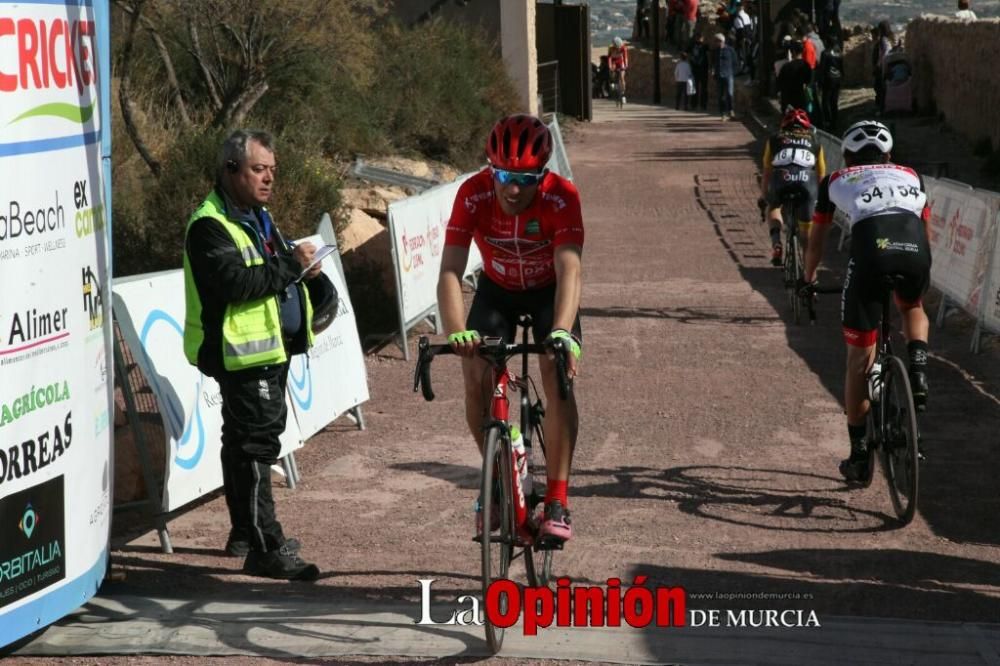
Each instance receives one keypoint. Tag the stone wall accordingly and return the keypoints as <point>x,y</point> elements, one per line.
<point>956,72</point>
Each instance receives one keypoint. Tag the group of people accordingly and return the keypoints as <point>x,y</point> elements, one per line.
<point>810,74</point>
<point>696,64</point>
<point>887,213</point>
<point>253,299</point>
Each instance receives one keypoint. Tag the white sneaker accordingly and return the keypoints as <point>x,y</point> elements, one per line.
<point>623,100</point>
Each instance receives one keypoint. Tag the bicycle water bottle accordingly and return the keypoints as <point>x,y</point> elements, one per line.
<point>521,458</point>
<point>875,381</point>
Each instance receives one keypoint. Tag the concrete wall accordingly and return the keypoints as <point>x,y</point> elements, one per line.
<point>957,72</point>
<point>520,54</point>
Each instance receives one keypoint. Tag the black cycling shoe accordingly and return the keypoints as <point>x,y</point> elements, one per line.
<point>855,468</point>
<point>918,383</point>
<point>282,564</point>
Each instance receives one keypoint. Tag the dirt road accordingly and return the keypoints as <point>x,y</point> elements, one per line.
<point>710,433</point>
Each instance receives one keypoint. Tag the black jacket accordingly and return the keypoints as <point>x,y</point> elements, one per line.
<point>221,277</point>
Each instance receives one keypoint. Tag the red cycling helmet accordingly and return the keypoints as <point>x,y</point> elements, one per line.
<point>796,116</point>
<point>519,143</point>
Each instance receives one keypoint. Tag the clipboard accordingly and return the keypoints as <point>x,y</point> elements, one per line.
<point>321,254</point>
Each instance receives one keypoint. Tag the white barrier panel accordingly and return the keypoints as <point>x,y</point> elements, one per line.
<point>991,292</point>
<point>417,225</point>
<point>959,229</point>
<point>55,324</point>
<point>559,162</point>
<point>150,313</point>
<point>333,379</point>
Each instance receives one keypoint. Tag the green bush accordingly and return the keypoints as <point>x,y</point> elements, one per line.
<point>342,84</point>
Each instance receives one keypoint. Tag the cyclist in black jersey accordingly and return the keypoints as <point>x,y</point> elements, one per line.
<point>886,209</point>
<point>793,165</point>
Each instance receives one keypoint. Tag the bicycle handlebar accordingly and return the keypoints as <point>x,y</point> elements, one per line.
<point>492,349</point>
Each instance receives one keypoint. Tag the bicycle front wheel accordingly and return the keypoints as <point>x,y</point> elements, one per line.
<point>497,546</point>
<point>900,456</point>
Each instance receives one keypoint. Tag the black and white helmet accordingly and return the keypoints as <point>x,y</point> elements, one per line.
<point>867,133</point>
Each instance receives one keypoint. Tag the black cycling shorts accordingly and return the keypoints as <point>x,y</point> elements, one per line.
<point>795,183</point>
<point>894,244</point>
<point>495,310</point>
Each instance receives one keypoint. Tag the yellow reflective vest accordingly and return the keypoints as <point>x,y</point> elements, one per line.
<point>251,330</point>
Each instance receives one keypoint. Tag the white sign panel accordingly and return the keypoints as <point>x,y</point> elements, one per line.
<point>331,378</point>
<point>55,324</point>
<point>150,313</point>
<point>959,229</point>
<point>417,225</point>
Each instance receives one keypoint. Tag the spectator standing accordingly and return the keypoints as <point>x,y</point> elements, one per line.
<point>831,75</point>
<point>809,54</point>
<point>684,82</point>
<point>829,20</point>
<point>883,45</point>
<point>725,75</point>
<point>642,19</point>
<point>699,59</point>
<point>785,51</point>
<point>673,11</point>
<point>793,81</point>
<point>247,313</point>
<point>742,31</point>
<point>964,13</point>
<point>689,22</point>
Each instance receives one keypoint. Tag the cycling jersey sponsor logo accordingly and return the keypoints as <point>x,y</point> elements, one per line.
<point>472,201</point>
<point>533,227</point>
<point>520,247</point>
<point>886,245</point>
<point>795,176</point>
<point>557,201</point>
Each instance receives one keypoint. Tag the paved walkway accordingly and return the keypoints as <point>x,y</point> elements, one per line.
<point>711,429</point>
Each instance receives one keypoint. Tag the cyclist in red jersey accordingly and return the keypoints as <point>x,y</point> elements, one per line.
<point>527,224</point>
<point>618,61</point>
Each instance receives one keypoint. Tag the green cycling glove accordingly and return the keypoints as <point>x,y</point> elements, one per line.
<point>461,337</point>
<point>571,342</point>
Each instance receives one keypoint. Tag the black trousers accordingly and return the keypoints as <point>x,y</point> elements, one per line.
<point>831,105</point>
<point>701,88</point>
<point>253,418</point>
<point>682,96</point>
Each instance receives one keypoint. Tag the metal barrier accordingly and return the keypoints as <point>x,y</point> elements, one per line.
<point>548,87</point>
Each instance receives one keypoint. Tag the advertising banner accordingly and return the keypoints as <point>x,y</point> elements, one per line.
<point>991,297</point>
<point>960,229</point>
<point>331,378</point>
<point>55,323</point>
<point>150,313</point>
<point>417,225</point>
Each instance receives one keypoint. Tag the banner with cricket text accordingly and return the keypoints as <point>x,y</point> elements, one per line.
<point>150,313</point>
<point>55,324</point>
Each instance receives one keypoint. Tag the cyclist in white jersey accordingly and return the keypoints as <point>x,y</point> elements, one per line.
<point>887,213</point>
